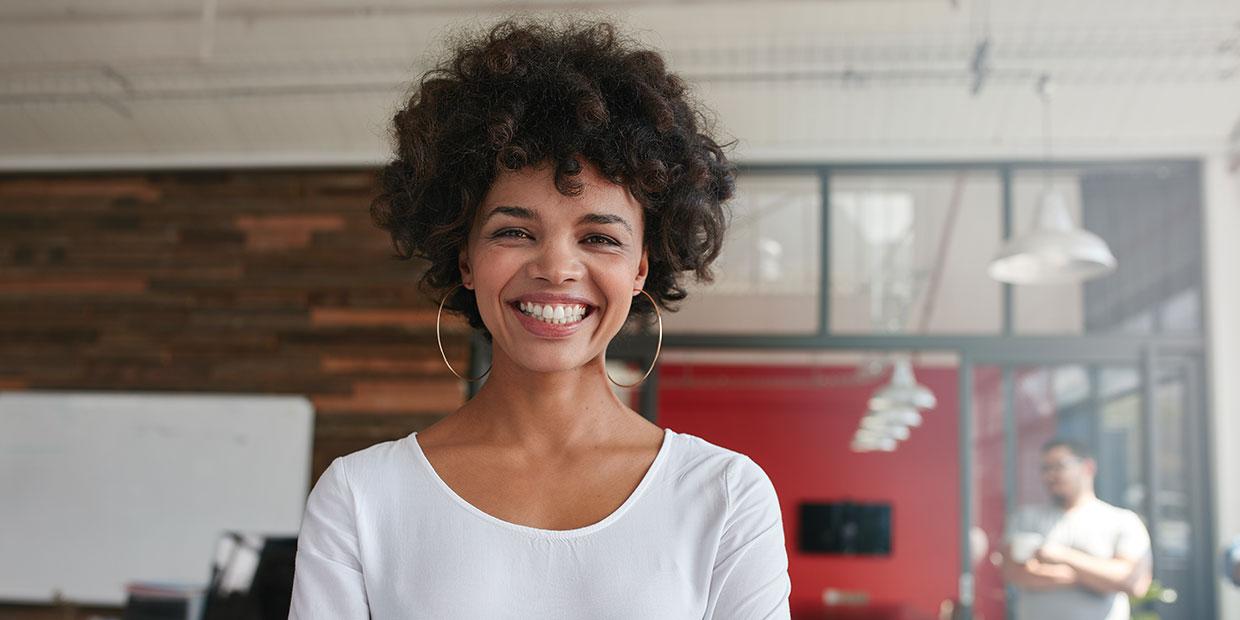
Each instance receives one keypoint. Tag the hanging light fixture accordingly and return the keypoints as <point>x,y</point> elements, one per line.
<point>903,392</point>
<point>885,428</point>
<point>901,416</point>
<point>1055,251</point>
<point>872,441</point>
<point>893,410</point>
<point>890,446</point>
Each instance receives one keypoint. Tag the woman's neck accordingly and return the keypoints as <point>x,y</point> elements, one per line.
<point>546,413</point>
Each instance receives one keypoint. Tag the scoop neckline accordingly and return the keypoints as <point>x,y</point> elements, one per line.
<point>661,456</point>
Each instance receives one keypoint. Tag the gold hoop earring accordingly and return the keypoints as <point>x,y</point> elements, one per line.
<point>440,340</point>
<point>658,347</point>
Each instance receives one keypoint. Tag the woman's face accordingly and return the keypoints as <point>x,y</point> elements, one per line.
<point>554,275</point>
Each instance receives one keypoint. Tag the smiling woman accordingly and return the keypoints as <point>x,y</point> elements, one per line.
<point>548,176</point>
<point>531,95</point>
<point>554,253</point>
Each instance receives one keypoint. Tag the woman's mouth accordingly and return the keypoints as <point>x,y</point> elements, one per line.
<point>551,320</point>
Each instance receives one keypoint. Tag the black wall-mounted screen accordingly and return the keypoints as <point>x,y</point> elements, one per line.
<point>846,528</point>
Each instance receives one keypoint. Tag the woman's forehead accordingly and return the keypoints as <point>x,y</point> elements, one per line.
<point>531,193</point>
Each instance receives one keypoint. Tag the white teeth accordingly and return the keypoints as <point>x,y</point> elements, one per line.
<point>556,314</point>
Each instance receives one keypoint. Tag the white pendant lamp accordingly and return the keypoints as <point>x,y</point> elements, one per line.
<point>871,423</point>
<point>903,392</point>
<point>901,416</point>
<point>889,446</point>
<point>1055,251</point>
<point>893,410</point>
<point>872,441</point>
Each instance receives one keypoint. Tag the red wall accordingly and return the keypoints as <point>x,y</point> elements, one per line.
<point>799,434</point>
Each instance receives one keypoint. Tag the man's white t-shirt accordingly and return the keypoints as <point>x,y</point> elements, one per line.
<point>383,536</point>
<point>1097,528</point>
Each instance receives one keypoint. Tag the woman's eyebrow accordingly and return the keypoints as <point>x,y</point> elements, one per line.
<point>529,214</point>
<point>517,212</point>
<point>605,218</point>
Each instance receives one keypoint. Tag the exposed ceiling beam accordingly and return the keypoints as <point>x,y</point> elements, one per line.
<point>277,11</point>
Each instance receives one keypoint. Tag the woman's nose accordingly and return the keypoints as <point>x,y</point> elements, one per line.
<point>557,261</point>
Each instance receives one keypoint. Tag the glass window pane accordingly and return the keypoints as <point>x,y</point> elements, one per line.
<point>909,252</point>
<point>1096,406</point>
<point>1177,544</point>
<point>989,492</point>
<point>766,277</point>
<point>1149,216</point>
<point>1182,311</point>
<point>1120,453</point>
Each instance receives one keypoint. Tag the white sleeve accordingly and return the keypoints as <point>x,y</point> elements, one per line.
<point>327,576</point>
<point>1134,540</point>
<point>750,577</point>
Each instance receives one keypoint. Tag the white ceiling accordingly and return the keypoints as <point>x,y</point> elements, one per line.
<point>139,83</point>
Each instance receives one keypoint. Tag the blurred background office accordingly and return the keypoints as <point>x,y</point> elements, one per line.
<point>963,227</point>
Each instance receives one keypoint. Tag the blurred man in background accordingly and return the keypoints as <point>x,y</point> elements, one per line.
<point>1078,558</point>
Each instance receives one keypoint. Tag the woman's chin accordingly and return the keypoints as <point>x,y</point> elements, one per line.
<point>548,367</point>
<point>549,362</point>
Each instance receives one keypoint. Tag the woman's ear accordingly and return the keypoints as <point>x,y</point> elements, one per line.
<point>467,279</point>
<point>642,269</point>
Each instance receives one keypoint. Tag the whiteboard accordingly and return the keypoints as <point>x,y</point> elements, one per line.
<point>101,488</point>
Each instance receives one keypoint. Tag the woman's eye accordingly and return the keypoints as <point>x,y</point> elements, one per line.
<point>517,233</point>
<point>604,240</point>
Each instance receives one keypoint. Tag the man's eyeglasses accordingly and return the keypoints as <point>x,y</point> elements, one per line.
<point>1058,465</point>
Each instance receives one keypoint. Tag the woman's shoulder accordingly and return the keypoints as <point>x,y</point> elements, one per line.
<point>375,462</point>
<point>746,495</point>
<point>697,448</point>
<point>692,450</point>
<point>737,469</point>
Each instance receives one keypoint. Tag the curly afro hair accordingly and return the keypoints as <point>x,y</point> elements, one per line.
<point>538,93</point>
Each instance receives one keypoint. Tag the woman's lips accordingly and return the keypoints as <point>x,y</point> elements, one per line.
<point>549,330</point>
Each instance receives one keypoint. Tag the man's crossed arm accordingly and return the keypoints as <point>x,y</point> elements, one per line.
<point>1059,566</point>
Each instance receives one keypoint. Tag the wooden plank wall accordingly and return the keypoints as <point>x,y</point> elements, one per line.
<point>270,281</point>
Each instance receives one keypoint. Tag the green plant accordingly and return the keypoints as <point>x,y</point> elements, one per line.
<point>1145,607</point>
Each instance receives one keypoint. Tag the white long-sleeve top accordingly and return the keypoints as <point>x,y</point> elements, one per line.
<point>383,536</point>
